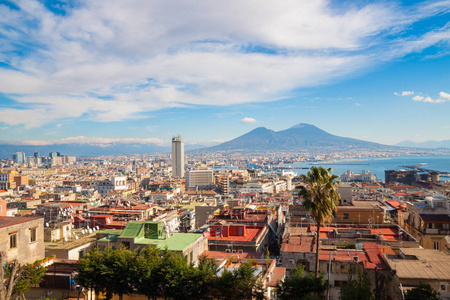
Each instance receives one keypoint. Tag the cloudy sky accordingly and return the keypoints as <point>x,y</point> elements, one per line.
<point>145,70</point>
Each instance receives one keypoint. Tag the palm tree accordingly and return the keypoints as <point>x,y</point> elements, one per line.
<point>320,196</point>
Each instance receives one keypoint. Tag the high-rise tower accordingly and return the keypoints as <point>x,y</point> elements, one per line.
<point>177,157</point>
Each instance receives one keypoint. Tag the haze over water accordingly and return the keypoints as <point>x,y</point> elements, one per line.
<point>378,165</point>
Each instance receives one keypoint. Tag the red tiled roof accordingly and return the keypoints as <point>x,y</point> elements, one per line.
<point>298,243</point>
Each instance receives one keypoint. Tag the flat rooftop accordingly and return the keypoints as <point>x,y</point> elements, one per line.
<point>416,263</point>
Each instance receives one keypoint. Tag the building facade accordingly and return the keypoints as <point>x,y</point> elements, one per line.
<point>177,157</point>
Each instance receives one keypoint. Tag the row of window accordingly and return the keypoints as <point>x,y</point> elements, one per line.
<point>13,238</point>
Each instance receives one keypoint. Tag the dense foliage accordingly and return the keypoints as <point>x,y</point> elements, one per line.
<point>163,274</point>
<point>302,286</point>
<point>423,291</point>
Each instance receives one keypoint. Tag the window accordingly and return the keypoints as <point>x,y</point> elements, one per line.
<point>12,240</point>
<point>437,245</point>
<point>345,216</point>
<point>443,287</point>
<point>32,235</point>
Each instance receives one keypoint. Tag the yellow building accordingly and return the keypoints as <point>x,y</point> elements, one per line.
<point>429,222</point>
<point>360,212</point>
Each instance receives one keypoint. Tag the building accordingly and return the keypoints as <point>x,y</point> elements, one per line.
<point>400,176</point>
<point>22,239</point>
<point>19,158</point>
<point>7,180</point>
<point>177,157</point>
<point>140,234</point>
<point>199,177</point>
<point>418,265</point>
<point>115,184</point>
<point>429,221</point>
<point>364,176</point>
<point>361,212</point>
<point>238,238</point>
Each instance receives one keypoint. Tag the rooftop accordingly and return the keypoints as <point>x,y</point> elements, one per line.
<point>11,221</point>
<point>417,263</point>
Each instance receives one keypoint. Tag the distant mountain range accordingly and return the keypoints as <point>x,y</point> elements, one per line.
<point>429,144</point>
<point>298,137</point>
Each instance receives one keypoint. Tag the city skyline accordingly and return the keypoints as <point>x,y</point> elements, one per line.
<point>96,73</point>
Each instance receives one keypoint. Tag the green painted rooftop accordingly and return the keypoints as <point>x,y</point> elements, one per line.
<point>110,231</point>
<point>176,241</point>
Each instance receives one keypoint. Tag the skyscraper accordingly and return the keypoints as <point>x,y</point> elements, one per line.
<point>177,157</point>
<point>19,158</point>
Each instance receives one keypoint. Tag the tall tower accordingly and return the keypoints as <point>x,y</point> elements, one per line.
<point>177,156</point>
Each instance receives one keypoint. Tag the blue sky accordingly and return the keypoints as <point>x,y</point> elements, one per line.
<point>104,71</point>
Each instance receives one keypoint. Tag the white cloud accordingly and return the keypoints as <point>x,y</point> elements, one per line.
<point>115,60</point>
<point>358,104</point>
<point>404,93</point>
<point>248,121</point>
<point>89,140</point>
<point>443,97</point>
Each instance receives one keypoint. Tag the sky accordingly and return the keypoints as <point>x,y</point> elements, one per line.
<point>146,70</point>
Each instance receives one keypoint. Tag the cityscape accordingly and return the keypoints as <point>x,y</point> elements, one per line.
<point>224,150</point>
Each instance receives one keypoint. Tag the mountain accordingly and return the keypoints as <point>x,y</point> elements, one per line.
<point>298,137</point>
<point>428,144</point>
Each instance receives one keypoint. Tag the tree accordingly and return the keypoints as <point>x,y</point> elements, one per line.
<point>108,271</point>
<point>241,283</point>
<point>89,271</point>
<point>300,285</point>
<point>320,196</point>
<point>204,278</point>
<point>16,278</point>
<point>145,279</point>
<point>359,288</point>
<point>116,271</point>
<point>423,291</point>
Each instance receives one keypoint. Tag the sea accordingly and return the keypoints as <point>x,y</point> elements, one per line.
<point>377,165</point>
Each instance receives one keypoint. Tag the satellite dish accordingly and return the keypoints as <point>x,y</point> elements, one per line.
<point>47,225</point>
<point>76,237</point>
<point>90,230</point>
<point>88,227</point>
<point>82,231</point>
<point>98,228</point>
<point>65,239</point>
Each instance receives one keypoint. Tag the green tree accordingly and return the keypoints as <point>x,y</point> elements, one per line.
<point>145,280</point>
<point>116,271</point>
<point>108,271</point>
<point>16,278</point>
<point>300,285</point>
<point>359,288</point>
<point>423,291</point>
<point>204,278</point>
<point>32,274</point>
<point>90,271</point>
<point>320,196</point>
<point>241,283</point>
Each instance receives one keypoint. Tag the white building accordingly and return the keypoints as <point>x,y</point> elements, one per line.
<point>364,176</point>
<point>199,177</point>
<point>116,183</point>
<point>177,157</point>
